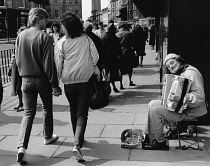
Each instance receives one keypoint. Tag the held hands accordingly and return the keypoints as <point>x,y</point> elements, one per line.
<point>57,91</point>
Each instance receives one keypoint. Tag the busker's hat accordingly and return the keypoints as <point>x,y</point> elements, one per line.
<point>170,56</point>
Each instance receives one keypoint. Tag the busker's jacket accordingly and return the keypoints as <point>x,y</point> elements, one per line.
<point>35,55</point>
<point>196,96</point>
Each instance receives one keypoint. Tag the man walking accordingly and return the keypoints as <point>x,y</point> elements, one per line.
<point>36,66</point>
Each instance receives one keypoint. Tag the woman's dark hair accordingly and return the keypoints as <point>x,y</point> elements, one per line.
<point>55,24</point>
<point>72,24</point>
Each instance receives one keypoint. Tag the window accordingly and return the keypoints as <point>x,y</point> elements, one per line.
<point>21,3</point>
<point>64,2</point>
<point>70,1</point>
<point>76,12</point>
<point>55,1</point>
<point>56,13</point>
<point>76,2</point>
<point>1,2</point>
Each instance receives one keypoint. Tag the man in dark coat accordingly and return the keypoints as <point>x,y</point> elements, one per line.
<point>152,36</point>
<point>125,37</point>
<point>139,41</point>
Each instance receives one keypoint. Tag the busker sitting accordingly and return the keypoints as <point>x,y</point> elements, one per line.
<point>158,115</point>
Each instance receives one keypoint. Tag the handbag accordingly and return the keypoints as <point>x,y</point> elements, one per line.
<point>98,96</point>
<point>134,59</point>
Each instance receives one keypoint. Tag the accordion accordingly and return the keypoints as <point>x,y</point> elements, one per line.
<point>176,86</point>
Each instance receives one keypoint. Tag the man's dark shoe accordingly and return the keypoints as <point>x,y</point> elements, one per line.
<point>155,145</point>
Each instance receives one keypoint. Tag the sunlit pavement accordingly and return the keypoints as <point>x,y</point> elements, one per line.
<point>102,146</point>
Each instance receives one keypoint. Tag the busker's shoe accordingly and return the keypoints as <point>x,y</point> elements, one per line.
<point>155,145</point>
<point>51,140</point>
<point>21,156</point>
<point>77,153</point>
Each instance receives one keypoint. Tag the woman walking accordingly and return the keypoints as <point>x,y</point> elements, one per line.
<point>112,53</point>
<point>126,45</point>
<point>76,57</point>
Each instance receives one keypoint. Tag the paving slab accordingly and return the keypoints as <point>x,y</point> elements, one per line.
<point>131,109</point>
<point>141,118</point>
<point>91,130</point>
<point>95,149</point>
<point>114,131</point>
<point>110,118</point>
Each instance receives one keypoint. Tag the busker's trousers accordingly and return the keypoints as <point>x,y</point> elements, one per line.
<point>158,116</point>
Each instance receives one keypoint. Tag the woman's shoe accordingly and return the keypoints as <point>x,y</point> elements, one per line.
<point>77,153</point>
<point>116,90</point>
<point>21,156</point>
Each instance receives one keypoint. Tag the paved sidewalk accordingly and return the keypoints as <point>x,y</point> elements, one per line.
<point>127,109</point>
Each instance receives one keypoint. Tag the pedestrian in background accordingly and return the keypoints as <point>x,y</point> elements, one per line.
<point>139,41</point>
<point>35,61</point>
<point>126,43</point>
<point>112,55</point>
<point>95,27</point>
<point>76,58</point>
<point>101,30</point>
<point>152,36</point>
<point>16,80</point>
<point>88,27</point>
<point>56,34</point>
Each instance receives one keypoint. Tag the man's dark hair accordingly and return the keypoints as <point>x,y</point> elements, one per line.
<point>72,24</point>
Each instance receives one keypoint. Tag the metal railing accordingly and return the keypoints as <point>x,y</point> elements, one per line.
<point>5,58</point>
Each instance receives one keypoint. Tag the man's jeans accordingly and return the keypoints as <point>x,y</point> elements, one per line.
<point>78,96</point>
<point>31,87</point>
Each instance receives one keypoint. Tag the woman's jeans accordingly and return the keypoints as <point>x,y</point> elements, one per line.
<point>78,96</point>
<point>31,87</point>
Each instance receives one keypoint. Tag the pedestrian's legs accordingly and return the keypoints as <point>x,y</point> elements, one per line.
<point>71,95</point>
<point>45,91</point>
<point>141,60</point>
<point>130,77</point>
<point>83,90</point>
<point>29,100</point>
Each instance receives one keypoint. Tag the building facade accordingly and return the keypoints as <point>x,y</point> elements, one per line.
<point>58,7</point>
<point>17,11</point>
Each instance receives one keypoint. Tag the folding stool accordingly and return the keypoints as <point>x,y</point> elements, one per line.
<point>186,139</point>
